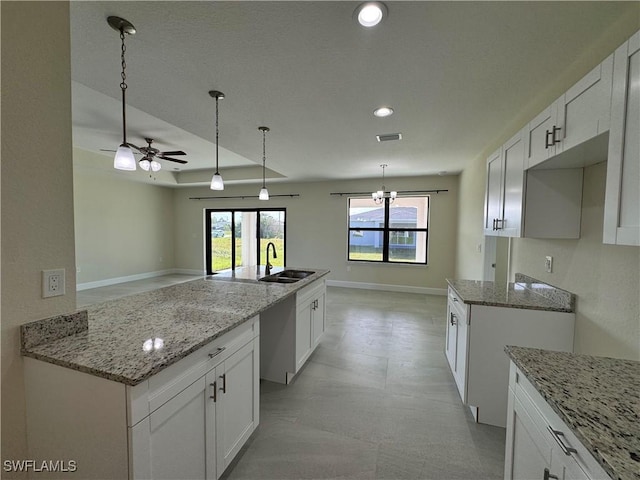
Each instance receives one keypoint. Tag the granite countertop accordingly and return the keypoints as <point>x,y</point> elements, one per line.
<point>116,339</point>
<point>597,397</point>
<point>525,292</point>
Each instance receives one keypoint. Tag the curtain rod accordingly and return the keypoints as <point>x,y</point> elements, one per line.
<point>399,192</point>
<point>245,196</point>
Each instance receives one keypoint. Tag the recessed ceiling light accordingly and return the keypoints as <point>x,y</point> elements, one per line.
<point>383,112</point>
<point>370,14</point>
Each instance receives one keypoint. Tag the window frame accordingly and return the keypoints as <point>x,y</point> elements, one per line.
<point>386,231</point>
<point>233,211</point>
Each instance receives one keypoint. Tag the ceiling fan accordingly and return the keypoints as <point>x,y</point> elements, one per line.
<point>148,161</point>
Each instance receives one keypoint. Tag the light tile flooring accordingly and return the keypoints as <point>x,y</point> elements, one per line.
<point>375,401</point>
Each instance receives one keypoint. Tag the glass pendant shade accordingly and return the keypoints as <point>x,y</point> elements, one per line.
<point>124,159</point>
<point>145,164</point>
<point>264,194</point>
<point>216,182</point>
<point>155,166</point>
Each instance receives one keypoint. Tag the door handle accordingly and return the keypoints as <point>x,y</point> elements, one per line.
<point>547,134</point>
<point>548,475</point>
<point>224,382</point>
<point>553,136</point>
<point>215,394</point>
<point>453,318</point>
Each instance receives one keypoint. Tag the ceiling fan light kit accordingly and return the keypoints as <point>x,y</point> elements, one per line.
<point>124,159</point>
<point>264,193</point>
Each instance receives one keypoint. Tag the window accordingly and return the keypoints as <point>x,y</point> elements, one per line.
<point>391,232</point>
<point>239,238</point>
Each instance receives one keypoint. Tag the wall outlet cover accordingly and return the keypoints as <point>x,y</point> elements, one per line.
<point>53,283</point>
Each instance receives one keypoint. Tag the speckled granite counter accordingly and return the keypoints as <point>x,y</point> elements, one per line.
<point>525,292</point>
<point>110,339</point>
<point>597,397</point>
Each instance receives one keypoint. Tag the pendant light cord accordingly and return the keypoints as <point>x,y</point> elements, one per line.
<point>264,157</point>
<point>123,87</point>
<point>217,134</point>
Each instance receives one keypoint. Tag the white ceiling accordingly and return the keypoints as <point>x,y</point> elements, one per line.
<point>456,73</point>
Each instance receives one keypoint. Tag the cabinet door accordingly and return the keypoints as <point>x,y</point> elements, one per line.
<point>178,436</point>
<point>318,320</point>
<point>622,196</point>
<point>513,185</point>
<point>585,109</point>
<point>538,144</point>
<point>303,334</point>
<point>462,339</point>
<point>451,338</point>
<point>529,452</point>
<point>493,195</point>
<point>237,407</point>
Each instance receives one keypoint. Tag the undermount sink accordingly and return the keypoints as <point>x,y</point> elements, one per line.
<point>287,276</point>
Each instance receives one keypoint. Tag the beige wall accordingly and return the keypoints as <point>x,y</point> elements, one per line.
<point>37,187</point>
<point>316,228</point>
<point>122,227</point>
<point>605,278</point>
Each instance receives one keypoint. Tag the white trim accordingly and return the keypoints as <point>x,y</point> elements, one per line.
<point>140,276</point>
<point>387,287</point>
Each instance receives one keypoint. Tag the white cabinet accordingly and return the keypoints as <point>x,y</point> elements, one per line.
<point>538,442</point>
<point>188,421</point>
<point>456,340</point>
<point>622,198</point>
<point>504,202</point>
<point>580,114</point>
<point>294,329</point>
<point>474,345</point>
<point>310,317</point>
<point>533,203</point>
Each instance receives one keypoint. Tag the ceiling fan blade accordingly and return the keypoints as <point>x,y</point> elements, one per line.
<point>132,145</point>
<point>171,159</point>
<point>107,150</point>
<point>173,152</point>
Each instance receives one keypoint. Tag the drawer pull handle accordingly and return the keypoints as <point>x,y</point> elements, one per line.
<point>548,475</point>
<point>556,434</point>
<point>217,352</point>
<point>215,394</point>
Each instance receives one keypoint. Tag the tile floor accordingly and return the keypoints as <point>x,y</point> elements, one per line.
<point>375,401</point>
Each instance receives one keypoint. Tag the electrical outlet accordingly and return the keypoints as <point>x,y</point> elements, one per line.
<point>53,283</point>
<point>548,264</point>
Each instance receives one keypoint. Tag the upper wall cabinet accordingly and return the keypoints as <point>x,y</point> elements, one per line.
<point>534,204</point>
<point>581,114</point>
<point>505,185</point>
<point>622,197</point>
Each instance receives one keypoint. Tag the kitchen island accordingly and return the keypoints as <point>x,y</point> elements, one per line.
<point>157,383</point>
<point>580,412</point>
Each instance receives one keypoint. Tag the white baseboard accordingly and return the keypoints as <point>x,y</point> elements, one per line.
<point>386,287</point>
<point>140,276</point>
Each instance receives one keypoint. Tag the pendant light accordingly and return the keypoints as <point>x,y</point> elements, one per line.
<point>264,193</point>
<point>216,181</point>
<point>380,195</point>
<point>124,159</point>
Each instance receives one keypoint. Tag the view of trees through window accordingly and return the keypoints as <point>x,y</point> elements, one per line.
<point>252,232</point>
<point>390,232</point>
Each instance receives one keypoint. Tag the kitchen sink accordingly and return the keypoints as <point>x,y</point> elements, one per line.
<point>287,276</point>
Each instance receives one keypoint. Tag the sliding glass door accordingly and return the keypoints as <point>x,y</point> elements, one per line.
<point>239,238</point>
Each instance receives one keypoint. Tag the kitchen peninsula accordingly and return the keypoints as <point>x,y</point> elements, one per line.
<point>161,381</point>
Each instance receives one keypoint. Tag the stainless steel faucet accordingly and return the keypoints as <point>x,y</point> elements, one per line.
<point>267,269</point>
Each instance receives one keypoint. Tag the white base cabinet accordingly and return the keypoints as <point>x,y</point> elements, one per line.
<point>538,443</point>
<point>188,421</point>
<point>293,329</point>
<point>474,346</point>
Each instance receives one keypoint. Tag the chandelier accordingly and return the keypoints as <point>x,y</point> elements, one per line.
<point>380,195</point>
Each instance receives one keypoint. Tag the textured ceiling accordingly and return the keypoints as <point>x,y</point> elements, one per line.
<point>456,73</point>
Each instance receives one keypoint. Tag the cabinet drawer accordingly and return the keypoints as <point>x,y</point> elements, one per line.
<point>160,388</point>
<point>309,292</point>
<point>564,443</point>
<point>457,305</point>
